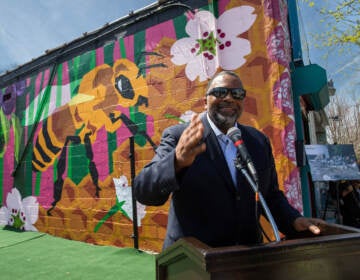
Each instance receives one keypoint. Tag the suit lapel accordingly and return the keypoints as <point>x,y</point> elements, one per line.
<point>215,153</point>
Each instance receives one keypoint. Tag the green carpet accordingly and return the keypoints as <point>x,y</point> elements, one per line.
<point>33,255</point>
<point>12,237</point>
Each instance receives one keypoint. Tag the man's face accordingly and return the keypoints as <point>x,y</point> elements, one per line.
<point>224,112</point>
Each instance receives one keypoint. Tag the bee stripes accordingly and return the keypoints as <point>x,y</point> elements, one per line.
<point>44,150</point>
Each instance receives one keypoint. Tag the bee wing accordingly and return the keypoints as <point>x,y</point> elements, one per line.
<point>44,105</point>
<point>59,96</point>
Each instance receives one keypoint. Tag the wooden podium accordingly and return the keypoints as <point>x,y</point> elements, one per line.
<point>335,254</point>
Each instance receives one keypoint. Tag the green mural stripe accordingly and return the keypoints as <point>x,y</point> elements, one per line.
<point>74,69</point>
<point>4,132</point>
<point>122,48</point>
<point>25,177</point>
<point>20,180</point>
<point>87,63</point>
<point>46,103</point>
<point>1,180</point>
<point>109,54</point>
<point>112,145</point>
<point>17,136</point>
<point>77,153</point>
<point>139,48</point>
<point>42,103</point>
<point>32,104</point>
<point>180,24</point>
<point>111,137</point>
<point>55,170</point>
<point>69,161</point>
<point>42,79</point>
<point>78,163</point>
<point>140,120</point>
<point>46,109</point>
<point>28,172</point>
<point>73,66</point>
<point>92,62</point>
<point>37,183</point>
<point>59,85</point>
<point>214,8</point>
<point>21,104</point>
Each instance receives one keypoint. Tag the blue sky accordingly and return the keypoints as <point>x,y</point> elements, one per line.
<point>343,67</point>
<point>29,27</point>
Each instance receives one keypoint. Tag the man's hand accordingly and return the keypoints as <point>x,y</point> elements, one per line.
<point>311,224</point>
<point>189,145</point>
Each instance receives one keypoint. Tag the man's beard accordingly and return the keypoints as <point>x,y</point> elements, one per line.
<point>223,122</point>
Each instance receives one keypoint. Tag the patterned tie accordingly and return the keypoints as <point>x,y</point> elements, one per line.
<point>229,151</point>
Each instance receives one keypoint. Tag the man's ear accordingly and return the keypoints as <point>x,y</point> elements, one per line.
<point>205,102</point>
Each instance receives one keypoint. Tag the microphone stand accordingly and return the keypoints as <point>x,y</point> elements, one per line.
<point>241,166</point>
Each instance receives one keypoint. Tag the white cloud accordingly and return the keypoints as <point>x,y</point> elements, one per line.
<point>354,63</point>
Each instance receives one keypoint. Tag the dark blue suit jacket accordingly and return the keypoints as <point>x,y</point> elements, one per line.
<point>205,204</point>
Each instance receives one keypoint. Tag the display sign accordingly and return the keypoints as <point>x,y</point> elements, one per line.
<point>332,162</point>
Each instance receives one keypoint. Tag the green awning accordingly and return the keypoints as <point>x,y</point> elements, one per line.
<point>311,83</point>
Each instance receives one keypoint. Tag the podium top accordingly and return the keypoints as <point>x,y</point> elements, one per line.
<point>336,247</point>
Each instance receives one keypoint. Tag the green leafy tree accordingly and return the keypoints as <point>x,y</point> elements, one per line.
<point>340,21</point>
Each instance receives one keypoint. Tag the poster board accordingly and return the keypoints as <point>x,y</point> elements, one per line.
<point>332,162</point>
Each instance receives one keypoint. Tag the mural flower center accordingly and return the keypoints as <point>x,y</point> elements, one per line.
<point>209,43</point>
<point>16,220</point>
<point>206,45</point>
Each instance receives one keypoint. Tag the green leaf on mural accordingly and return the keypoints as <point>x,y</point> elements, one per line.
<point>111,212</point>
<point>4,132</point>
<point>169,116</point>
<point>17,135</point>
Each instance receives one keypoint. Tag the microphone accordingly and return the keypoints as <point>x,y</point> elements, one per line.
<point>235,135</point>
<point>244,159</point>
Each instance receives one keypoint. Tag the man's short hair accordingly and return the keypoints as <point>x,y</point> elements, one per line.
<point>221,73</point>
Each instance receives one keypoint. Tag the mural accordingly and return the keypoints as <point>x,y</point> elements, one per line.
<point>65,130</point>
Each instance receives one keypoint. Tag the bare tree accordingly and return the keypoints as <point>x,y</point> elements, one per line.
<point>344,122</point>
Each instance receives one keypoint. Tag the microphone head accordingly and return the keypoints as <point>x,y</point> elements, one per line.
<point>234,134</point>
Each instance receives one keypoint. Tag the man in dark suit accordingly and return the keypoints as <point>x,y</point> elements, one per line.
<point>210,198</point>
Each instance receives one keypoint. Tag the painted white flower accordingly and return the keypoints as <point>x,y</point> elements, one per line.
<point>20,214</point>
<point>186,116</point>
<point>123,194</point>
<point>213,42</point>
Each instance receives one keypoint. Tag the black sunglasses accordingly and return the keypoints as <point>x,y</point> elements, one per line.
<point>222,92</point>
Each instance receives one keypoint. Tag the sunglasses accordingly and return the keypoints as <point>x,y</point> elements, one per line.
<point>222,92</point>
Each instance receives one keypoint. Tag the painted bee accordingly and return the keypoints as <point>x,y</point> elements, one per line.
<point>102,94</point>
